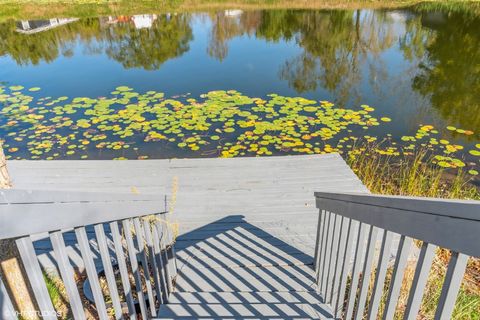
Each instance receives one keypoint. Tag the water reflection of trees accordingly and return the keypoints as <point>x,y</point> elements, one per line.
<point>46,46</point>
<point>148,48</point>
<point>339,46</point>
<point>450,69</point>
<point>340,50</point>
<point>335,44</point>
<point>133,45</point>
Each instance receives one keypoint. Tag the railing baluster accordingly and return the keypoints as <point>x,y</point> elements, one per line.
<point>338,263</point>
<point>340,302</point>
<point>143,259</point>
<point>356,270</point>
<point>132,254</point>
<point>108,270</point>
<point>153,261</point>
<point>160,263</point>
<point>92,274</point>
<point>170,244</point>
<point>122,266</point>
<point>424,263</point>
<point>317,240</point>
<point>66,271</point>
<point>397,276</point>
<point>164,256</point>
<point>327,256</point>
<point>173,257</point>
<point>367,270</point>
<point>7,311</point>
<point>333,258</point>
<point>322,248</point>
<point>35,277</point>
<point>381,272</point>
<point>453,281</point>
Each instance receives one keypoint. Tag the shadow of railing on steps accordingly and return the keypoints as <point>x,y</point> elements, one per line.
<point>232,268</point>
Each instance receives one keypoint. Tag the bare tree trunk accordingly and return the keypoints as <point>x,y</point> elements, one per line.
<point>11,268</point>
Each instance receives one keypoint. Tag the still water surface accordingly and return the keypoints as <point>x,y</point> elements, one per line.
<point>414,67</point>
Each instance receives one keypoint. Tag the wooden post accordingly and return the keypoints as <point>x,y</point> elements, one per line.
<point>5,182</point>
<point>11,268</point>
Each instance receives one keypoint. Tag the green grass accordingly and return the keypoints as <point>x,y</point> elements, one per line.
<point>52,288</point>
<point>56,291</point>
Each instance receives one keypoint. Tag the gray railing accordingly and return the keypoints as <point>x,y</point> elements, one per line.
<point>132,241</point>
<point>350,253</point>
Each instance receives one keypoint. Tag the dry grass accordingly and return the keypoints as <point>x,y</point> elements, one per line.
<point>415,175</point>
<point>39,9</point>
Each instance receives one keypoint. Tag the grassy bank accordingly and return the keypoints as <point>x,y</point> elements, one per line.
<point>414,175</point>
<point>38,9</point>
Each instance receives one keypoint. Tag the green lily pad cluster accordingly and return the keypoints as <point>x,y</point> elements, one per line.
<point>228,122</point>
<point>222,123</point>
<point>446,154</point>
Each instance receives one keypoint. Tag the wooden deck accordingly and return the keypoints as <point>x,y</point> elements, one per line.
<point>246,225</point>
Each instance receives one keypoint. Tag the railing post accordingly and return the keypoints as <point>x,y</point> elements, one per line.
<point>5,181</point>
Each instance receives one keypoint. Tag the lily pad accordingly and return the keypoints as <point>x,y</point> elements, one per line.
<point>123,88</point>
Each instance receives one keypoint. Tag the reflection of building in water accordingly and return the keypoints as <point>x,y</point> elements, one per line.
<point>34,26</point>
<point>142,21</point>
<point>115,19</point>
<point>233,13</point>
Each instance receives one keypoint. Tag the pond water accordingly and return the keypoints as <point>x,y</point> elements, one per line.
<point>242,83</point>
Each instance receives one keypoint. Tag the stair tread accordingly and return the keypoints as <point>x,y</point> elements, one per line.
<point>245,311</point>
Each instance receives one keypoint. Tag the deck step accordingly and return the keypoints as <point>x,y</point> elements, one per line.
<point>250,279</point>
<point>241,305</point>
<point>245,311</point>
<point>258,297</point>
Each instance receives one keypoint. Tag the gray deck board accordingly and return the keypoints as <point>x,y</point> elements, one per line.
<point>245,311</point>
<point>246,225</point>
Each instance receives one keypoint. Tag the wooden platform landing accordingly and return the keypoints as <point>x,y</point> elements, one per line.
<point>246,225</point>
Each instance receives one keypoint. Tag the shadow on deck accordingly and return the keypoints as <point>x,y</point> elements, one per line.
<point>232,269</point>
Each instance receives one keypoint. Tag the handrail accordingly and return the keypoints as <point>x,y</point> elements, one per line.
<point>45,211</point>
<point>452,224</point>
<point>348,228</point>
<point>467,209</point>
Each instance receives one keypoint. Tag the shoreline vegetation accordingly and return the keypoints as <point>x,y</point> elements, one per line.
<point>410,175</point>
<point>38,9</point>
